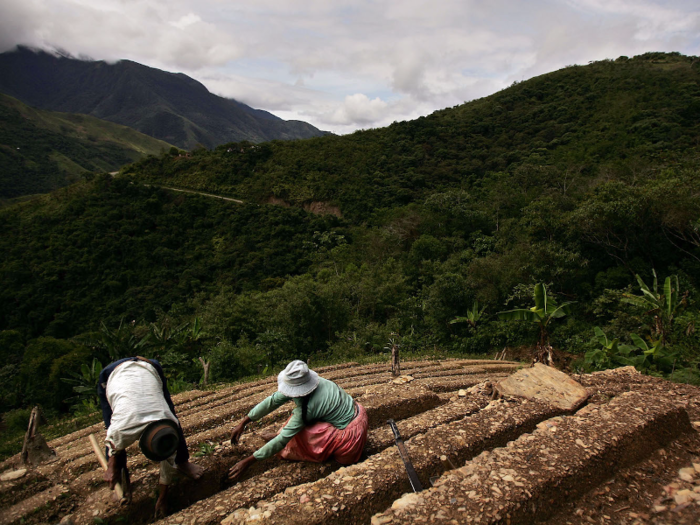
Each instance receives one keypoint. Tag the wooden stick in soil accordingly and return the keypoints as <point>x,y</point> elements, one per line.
<point>34,420</point>
<point>103,461</point>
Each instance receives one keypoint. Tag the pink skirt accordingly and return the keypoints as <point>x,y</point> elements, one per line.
<point>320,441</point>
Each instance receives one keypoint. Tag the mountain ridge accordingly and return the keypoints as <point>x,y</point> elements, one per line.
<point>169,106</point>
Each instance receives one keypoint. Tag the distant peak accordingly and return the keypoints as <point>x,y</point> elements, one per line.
<point>54,51</point>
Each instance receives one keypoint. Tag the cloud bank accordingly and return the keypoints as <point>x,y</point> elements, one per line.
<point>353,64</point>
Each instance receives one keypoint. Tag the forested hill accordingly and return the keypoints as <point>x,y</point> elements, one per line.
<point>610,117</point>
<point>42,150</point>
<point>168,106</point>
<point>581,180</point>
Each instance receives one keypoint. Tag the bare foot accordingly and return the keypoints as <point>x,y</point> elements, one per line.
<point>190,470</point>
<point>268,435</point>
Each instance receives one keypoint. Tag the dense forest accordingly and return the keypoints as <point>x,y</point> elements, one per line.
<point>581,186</point>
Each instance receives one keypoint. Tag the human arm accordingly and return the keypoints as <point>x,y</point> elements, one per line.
<point>162,503</point>
<point>292,428</point>
<point>267,405</point>
<point>118,473</point>
<point>113,474</point>
<point>260,410</point>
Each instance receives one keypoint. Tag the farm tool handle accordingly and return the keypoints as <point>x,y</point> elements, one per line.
<point>103,461</point>
<point>412,476</point>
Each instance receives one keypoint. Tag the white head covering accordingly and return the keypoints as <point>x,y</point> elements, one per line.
<point>297,380</point>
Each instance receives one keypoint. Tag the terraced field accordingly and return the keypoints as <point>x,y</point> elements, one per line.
<point>626,457</point>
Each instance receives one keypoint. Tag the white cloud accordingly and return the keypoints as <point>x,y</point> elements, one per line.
<point>185,21</point>
<point>359,109</point>
<point>347,64</point>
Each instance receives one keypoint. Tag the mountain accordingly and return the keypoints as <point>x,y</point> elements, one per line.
<point>41,151</point>
<point>168,106</point>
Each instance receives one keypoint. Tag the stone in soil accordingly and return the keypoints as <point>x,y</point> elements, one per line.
<point>13,474</point>
<point>546,384</point>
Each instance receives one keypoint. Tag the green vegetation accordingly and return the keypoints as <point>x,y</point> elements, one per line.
<point>577,187</point>
<point>542,313</point>
<point>41,151</point>
<point>562,132</point>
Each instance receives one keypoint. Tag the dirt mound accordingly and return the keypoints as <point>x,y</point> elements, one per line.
<point>630,455</point>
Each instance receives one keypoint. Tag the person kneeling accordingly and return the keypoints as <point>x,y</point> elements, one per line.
<point>326,422</point>
<point>136,405</point>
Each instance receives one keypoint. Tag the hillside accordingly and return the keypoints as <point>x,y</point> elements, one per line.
<point>616,117</point>
<point>585,181</point>
<point>41,151</point>
<point>168,106</point>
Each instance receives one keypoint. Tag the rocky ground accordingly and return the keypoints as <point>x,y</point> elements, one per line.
<point>630,454</point>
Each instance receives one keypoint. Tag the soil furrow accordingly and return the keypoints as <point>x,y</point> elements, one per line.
<point>285,475</point>
<point>352,494</point>
<point>531,477</point>
<point>381,402</point>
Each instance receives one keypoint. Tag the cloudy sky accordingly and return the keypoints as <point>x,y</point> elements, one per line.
<point>344,65</point>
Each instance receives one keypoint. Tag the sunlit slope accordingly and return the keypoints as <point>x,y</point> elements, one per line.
<point>44,150</point>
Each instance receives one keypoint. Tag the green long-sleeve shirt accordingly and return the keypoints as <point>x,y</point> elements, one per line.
<point>329,403</point>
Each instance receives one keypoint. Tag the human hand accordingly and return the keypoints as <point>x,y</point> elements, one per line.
<point>113,474</point>
<point>236,471</point>
<point>238,430</point>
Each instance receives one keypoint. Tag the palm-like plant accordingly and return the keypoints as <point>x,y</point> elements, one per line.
<point>474,315</point>
<point>642,355</point>
<point>662,304</point>
<point>85,382</point>
<point>611,355</point>
<point>543,312</point>
<point>121,342</point>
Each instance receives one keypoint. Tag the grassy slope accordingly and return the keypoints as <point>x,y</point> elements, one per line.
<point>44,150</point>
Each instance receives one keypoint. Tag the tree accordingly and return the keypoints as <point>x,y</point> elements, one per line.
<point>544,311</point>
<point>46,361</point>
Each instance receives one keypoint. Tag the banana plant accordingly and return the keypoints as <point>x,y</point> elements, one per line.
<point>654,355</point>
<point>662,304</point>
<point>84,383</point>
<point>122,342</point>
<point>474,315</point>
<point>611,354</point>
<point>543,312</point>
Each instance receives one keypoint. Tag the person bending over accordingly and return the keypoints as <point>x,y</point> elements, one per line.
<point>325,423</point>
<point>136,406</point>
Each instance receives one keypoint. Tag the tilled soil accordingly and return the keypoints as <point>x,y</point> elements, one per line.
<point>631,456</point>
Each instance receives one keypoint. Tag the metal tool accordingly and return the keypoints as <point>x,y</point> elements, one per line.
<point>412,476</point>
